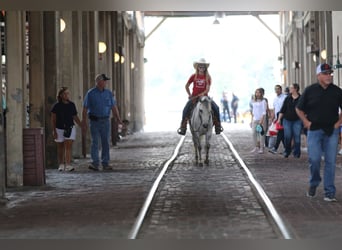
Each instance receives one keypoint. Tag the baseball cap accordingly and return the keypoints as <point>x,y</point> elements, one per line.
<point>323,67</point>
<point>101,77</point>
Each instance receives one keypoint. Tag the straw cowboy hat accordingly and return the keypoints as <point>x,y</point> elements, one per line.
<point>201,61</point>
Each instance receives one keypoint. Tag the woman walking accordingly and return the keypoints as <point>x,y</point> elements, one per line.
<point>258,123</point>
<point>63,115</point>
<point>291,122</point>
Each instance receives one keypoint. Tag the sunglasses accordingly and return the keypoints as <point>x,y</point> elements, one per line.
<point>201,67</point>
<point>327,73</point>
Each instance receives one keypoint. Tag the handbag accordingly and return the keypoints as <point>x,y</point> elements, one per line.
<point>279,126</point>
<point>273,129</point>
<point>260,129</point>
<point>67,132</point>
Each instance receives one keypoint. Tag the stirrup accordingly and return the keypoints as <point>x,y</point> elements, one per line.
<point>181,131</point>
<point>218,130</point>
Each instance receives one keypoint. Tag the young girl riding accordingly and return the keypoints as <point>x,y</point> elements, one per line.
<point>201,81</point>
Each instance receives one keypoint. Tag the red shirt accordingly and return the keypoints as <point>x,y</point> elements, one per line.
<point>199,84</point>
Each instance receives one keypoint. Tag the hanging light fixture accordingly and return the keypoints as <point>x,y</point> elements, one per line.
<point>324,54</point>
<point>116,57</point>
<point>62,25</point>
<point>102,47</point>
<point>314,58</point>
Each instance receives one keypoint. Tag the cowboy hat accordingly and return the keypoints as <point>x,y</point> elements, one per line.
<point>201,61</point>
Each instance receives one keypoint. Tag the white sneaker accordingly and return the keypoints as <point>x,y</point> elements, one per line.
<point>261,151</point>
<point>340,152</point>
<point>255,150</point>
<point>69,168</point>
<point>61,167</point>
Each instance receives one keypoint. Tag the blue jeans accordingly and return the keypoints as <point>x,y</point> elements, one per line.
<point>319,143</point>
<point>189,106</point>
<point>292,129</point>
<point>100,130</point>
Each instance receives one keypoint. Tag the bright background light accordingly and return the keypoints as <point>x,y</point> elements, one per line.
<point>243,56</point>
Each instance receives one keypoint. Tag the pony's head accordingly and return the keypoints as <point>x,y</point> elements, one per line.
<point>205,110</point>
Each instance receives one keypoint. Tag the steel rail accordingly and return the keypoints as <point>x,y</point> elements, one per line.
<point>275,215</point>
<point>138,222</point>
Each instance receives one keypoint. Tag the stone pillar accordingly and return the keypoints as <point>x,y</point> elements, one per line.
<point>16,67</point>
<point>51,76</point>
<point>36,69</point>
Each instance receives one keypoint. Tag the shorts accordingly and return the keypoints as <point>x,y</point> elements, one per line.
<point>60,136</point>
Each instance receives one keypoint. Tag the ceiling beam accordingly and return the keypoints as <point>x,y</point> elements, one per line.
<point>205,13</point>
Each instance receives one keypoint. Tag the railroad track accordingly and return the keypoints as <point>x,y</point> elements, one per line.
<point>271,214</point>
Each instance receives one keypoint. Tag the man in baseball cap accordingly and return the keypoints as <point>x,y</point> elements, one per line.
<point>101,77</point>
<point>318,108</point>
<point>324,68</point>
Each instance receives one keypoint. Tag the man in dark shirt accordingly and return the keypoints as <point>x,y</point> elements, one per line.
<point>318,108</point>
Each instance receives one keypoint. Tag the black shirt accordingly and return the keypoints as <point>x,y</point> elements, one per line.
<point>288,109</point>
<point>64,114</point>
<point>321,106</point>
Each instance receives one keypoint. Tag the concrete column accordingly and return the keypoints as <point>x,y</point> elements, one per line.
<point>66,51</point>
<point>93,45</point>
<point>2,138</point>
<point>127,81</point>
<point>139,89</point>
<point>109,53</point>
<point>16,67</point>
<point>36,69</point>
<point>85,51</point>
<point>51,76</point>
<point>77,86</point>
<point>102,58</point>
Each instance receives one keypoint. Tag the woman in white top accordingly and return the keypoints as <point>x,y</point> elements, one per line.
<point>259,109</point>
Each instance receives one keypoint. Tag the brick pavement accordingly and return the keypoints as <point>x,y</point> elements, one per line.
<point>85,204</point>
<point>210,202</point>
<point>285,180</point>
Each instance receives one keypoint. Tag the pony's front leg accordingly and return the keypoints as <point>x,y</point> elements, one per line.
<point>196,153</point>
<point>195,149</point>
<point>207,154</point>
<point>200,155</point>
<point>207,147</point>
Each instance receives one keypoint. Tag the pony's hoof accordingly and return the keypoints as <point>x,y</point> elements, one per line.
<point>200,164</point>
<point>206,162</point>
<point>181,131</point>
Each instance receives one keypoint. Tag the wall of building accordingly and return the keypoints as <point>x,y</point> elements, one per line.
<point>306,35</point>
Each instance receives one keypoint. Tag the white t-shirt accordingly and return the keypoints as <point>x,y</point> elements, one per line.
<point>258,109</point>
<point>278,103</point>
